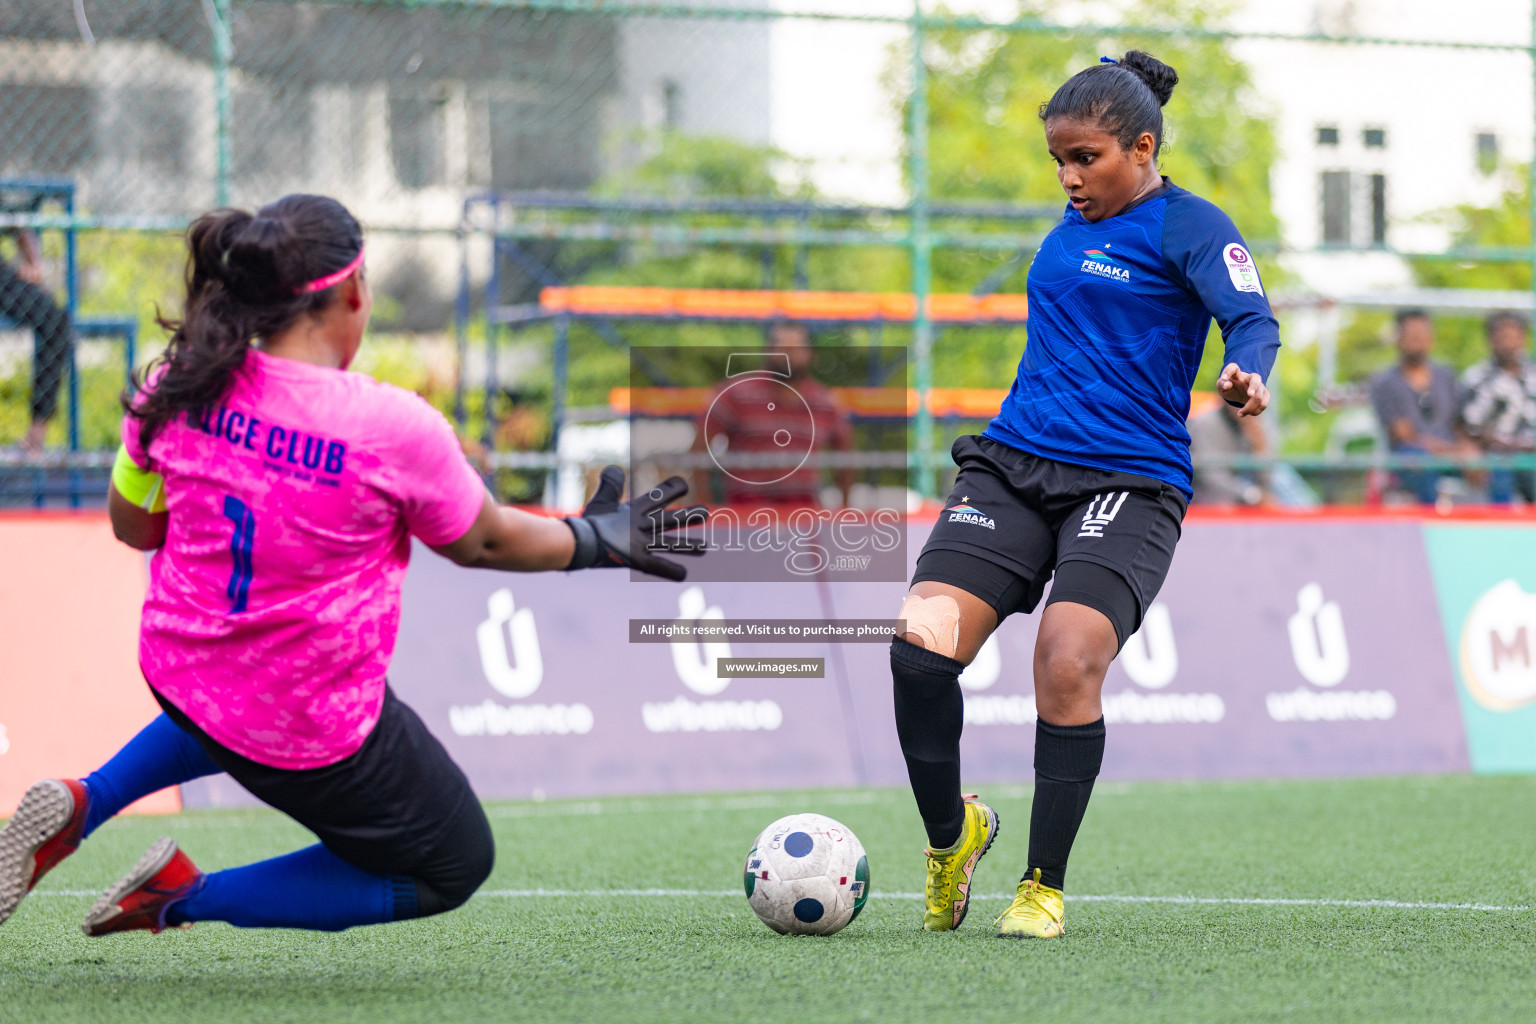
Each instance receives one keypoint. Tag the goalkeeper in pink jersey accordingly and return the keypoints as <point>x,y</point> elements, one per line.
<point>280,493</point>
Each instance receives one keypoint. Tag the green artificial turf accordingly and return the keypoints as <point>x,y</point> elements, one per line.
<point>509,956</point>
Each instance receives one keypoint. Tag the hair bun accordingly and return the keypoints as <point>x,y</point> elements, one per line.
<point>1160,78</point>
<point>256,258</point>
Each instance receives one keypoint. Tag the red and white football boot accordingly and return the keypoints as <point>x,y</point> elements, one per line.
<point>139,900</point>
<point>45,829</point>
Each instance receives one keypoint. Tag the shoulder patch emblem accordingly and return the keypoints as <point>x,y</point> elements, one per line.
<point>1245,276</point>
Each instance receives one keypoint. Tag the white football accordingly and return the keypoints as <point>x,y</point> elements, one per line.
<point>807,875</point>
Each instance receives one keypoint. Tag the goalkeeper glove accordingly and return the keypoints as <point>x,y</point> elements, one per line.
<point>611,534</point>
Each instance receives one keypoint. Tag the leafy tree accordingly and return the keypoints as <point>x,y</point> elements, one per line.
<point>985,96</point>
<point>1506,224</point>
<point>708,166</point>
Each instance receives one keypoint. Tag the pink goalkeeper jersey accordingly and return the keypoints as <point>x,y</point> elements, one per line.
<point>273,606</point>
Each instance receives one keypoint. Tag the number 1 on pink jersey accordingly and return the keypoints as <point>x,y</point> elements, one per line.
<point>240,552</point>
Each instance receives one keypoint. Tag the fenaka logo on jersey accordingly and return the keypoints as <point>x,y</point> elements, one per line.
<point>963,513</point>
<point>1245,276</point>
<point>1101,264</point>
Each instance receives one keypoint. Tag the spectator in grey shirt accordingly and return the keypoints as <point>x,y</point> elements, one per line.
<point>1215,436</point>
<point>1499,403</point>
<point>1418,404</point>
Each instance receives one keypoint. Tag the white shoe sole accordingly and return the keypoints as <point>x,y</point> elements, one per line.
<point>106,908</point>
<point>43,813</point>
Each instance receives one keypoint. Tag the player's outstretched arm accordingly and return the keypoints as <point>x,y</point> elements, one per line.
<point>608,533</point>
<point>511,540</point>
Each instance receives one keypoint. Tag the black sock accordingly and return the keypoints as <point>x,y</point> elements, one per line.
<point>1067,760</point>
<point>929,715</point>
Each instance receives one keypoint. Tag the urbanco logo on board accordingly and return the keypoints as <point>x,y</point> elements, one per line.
<point>513,664</point>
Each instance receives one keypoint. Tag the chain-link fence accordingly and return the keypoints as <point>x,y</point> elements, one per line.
<point>1375,156</point>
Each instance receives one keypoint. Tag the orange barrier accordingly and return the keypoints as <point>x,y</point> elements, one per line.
<point>967,403</point>
<point>824,307</point>
<point>972,403</point>
<point>70,689</point>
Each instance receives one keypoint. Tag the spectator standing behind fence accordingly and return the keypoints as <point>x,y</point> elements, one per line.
<point>1219,435</point>
<point>24,301</point>
<point>1499,403</point>
<point>741,418</point>
<point>1418,405</point>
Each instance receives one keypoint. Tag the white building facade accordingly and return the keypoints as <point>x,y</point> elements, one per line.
<point>1378,142</point>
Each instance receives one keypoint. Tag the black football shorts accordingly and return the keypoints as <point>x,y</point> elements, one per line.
<point>399,805</point>
<point>1015,519</point>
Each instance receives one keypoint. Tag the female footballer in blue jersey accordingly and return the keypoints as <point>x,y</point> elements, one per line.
<point>1084,473</point>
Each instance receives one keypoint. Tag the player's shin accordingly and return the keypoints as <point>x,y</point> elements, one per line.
<point>1067,761</point>
<point>310,888</point>
<point>929,715</point>
<point>161,754</point>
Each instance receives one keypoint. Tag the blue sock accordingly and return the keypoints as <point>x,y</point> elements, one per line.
<point>161,755</point>
<point>310,888</point>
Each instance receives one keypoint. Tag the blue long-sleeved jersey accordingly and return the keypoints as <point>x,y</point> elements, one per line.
<point>1118,315</point>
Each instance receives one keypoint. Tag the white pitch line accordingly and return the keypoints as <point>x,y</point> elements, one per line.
<point>1178,900</point>
<point>1270,901</point>
<point>1242,901</point>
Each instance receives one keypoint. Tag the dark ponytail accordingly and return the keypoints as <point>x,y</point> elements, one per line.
<point>245,279</point>
<point>1124,97</point>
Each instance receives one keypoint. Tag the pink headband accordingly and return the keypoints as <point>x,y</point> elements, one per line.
<point>320,284</point>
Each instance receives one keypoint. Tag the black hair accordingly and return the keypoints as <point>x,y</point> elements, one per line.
<point>1402,316</point>
<point>1125,97</point>
<point>1500,316</point>
<point>245,279</point>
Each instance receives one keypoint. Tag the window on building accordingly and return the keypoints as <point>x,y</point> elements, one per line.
<point>270,140</point>
<point>418,140</point>
<point>671,104</point>
<point>149,139</point>
<point>544,145</point>
<point>48,129</point>
<point>1327,135</point>
<point>1378,209</point>
<point>1374,138</point>
<point>1487,152</point>
<point>1336,207</point>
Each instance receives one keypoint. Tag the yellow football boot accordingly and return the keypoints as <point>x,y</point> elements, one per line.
<point>949,871</point>
<point>1037,912</point>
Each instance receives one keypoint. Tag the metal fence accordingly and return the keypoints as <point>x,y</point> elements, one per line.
<point>518,144</point>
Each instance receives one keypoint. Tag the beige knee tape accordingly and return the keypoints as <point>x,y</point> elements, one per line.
<point>935,621</point>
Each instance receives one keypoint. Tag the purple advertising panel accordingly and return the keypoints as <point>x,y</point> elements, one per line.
<point>1291,649</point>
<point>1274,649</point>
<point>534,686</point>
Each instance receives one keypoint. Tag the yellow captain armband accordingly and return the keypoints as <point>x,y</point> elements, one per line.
<point>140,486</point>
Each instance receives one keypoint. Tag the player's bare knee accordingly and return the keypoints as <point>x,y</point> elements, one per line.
<point>1064,665</point>
<point>933,623</point>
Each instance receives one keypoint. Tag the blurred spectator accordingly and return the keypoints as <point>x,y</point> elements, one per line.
<point>1499,403</point>
<point>1218,435</point>
<point>743,419</point>
<point>1417,404</point>
<point>26,303</point>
